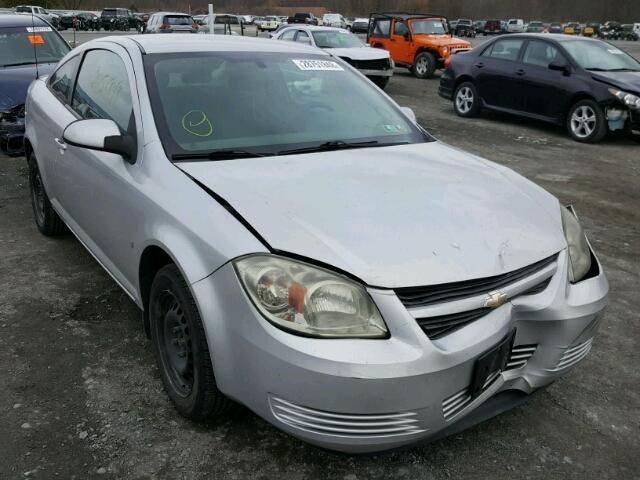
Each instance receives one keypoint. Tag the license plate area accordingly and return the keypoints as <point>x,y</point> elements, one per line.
<point>491,363</point>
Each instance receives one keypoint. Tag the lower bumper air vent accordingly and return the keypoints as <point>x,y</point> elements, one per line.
<point>520,355</point>
<point>345,425</point>
<point>573,355</point>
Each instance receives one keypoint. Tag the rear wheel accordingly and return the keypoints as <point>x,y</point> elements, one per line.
<point>424,65</point>
<point>586,122</point>
<point>181,348</point>
<point>466,101</point>
<point>46,218</point>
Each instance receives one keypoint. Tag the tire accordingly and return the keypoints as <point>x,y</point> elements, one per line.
<point>181,349</point>
<point>46,218</point>
<point>381,82</point>
<point>424,65</point>
<point>466,101</point>
<point>586,122</point>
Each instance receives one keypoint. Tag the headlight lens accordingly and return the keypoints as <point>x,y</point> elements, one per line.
<point>629,99</point>
<point>308,300</point>
<point>579,252</point>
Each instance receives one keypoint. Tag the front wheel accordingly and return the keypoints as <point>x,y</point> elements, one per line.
<point>466,101</point>
<point>46,218</point>
<point>424,65</point>
<point>181,348</point>
<point>381,82</point>
<point>586,122</point>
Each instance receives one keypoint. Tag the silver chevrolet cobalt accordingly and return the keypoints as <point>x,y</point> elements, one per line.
<point>297,243</point>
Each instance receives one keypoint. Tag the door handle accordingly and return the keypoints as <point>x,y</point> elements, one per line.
<point>60,143</point>
<point>520,72</point>
<point>479,65</point>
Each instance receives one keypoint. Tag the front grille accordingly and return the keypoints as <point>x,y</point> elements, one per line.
<point>351,425</point>
<point>380,64</point>
<point>413,297</point>
<point>573,355</point>
<point>520,355</point>
<point>436,327</point>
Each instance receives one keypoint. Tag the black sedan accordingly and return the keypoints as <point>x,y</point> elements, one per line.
<point>587,85</point>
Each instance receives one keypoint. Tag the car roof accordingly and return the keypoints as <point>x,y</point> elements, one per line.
<point>406,15</point>
<point>171,13</point>
<point>558,37</point>
<point>315,28</point>
<point>16,20</point>
<point>184,43</point>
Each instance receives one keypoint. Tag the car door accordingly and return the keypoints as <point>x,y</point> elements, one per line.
<point>495,74</point>
<point>52,118</point>
<point>543,90</point>
<point>99,195</point>
<point>399,42</point>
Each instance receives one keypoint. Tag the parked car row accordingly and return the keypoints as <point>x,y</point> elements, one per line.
<point>609,30</point>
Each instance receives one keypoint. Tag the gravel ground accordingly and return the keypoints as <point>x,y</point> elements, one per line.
<point>81,396</point>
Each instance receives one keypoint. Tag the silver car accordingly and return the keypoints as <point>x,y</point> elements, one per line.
<point>299,244</point>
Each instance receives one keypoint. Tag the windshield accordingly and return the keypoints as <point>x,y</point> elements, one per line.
<point>267,103</point>
<point>428,27</point>
<point>108,13</point>
<point>600,56</point>
<point>331,39</point>
<point>19,45</point>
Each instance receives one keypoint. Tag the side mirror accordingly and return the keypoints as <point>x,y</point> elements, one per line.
<point>101,135</point>
<point>409,113</point>
<point>560,66</point>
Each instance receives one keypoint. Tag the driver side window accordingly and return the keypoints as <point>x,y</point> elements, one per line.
<point>303,37</point>
<point>400,28</point>
<point>288,35</point>
<point>102,89</point>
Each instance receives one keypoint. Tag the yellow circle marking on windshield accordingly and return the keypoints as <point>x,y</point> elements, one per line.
<point>196,123</point>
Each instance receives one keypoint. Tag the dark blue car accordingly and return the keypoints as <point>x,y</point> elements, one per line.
<point>22,39</point>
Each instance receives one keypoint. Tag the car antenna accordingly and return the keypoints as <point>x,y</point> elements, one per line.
<point>35,48</point>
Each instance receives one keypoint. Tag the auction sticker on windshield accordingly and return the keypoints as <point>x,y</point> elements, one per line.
<point>38,29</point>
<point>326,65</point>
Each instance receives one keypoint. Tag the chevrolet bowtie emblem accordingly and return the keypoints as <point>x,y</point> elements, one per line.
<point>495,299</point>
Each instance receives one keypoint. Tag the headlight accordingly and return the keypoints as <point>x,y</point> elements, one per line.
<point>629,99</point>
<point>308,300</point>
<point>579,252</point>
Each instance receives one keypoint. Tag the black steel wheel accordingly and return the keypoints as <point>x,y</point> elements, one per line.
<point>181,348</point>
<point>46,218</point>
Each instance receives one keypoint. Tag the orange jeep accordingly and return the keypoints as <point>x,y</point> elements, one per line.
<point>419,41</point>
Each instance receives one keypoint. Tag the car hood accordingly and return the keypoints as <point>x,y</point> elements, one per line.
<point>359,53</point>
<point>629,81</point>
<point>14,81</point>
<point>441,41</point>
<point>400,216</point>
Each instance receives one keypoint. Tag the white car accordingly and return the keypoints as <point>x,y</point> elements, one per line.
<point>515,25</point>
<point>35,10</point>
<point>268,23</point>
<point>374,63</point>
<point>334,20</point>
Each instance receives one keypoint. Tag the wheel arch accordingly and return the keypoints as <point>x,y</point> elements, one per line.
<point>430,50</point>
<point>575,98</point>
<point>461,79</point>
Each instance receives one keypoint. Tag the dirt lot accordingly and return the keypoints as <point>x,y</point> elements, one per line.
<point>81,397</point>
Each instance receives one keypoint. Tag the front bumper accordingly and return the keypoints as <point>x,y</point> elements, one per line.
<point>371,395</point>
<point>11,134</point>
<point>376,73</point>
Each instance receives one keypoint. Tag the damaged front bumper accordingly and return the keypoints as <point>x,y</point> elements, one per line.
<point>12,130</point>
<point>370,395</point>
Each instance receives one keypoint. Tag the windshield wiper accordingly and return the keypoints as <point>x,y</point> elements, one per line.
<point>224,154</point>
<point>338,145</point>
<point>598,69</point>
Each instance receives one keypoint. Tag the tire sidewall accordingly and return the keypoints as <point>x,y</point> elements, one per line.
<point>431,65</point>
<point>475,107</point>
<point>168,278</point>
<point>599,131</point>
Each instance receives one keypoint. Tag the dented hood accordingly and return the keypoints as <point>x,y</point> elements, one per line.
<point>395,216</point>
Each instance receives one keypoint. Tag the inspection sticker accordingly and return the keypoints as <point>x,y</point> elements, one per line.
<point>615,51</point>
<point>38,29</point>
<point>326,65</point>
